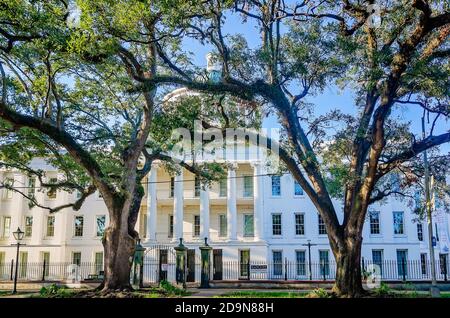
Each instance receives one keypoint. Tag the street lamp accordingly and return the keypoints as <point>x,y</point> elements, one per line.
<point>309,257</point>
<point>18,235</point>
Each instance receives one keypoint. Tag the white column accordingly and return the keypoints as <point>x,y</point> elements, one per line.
<point>17,204</point>
<point>204,212</point>
<point>231,204</point>
<point>151,204</point>
<point>257,201</point>
<point>39,217</point>
<point>178,206</point>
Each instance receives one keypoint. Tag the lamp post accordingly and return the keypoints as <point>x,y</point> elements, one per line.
<point>309,257</point>
<point>18,235</point>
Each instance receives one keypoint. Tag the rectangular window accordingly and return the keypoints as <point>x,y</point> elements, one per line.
<point>377,258</point>
<point>248,186</point>
<point>100,225</point>
<point>28,226</point>
<point>8,193</point>
<point>443,263</point>
<point>51,193</point>
<point>276,186</point>
<point>170,226</point>
<point>6,226</point>
<point>297,188</point>
<point>374,222</point>
<point>420,232</point>
<point>277,257</point>
<point>223,188</point>
<point>79,223</point>
<point>46,259</point>
<point>98,262</point>
<point>31,186</point>
<point>402,263</point>
<point>172,186</point>
<point>50,226</point>
<point>299,224</point>
<point>300,258</point>
<point>276,224</point>
<point>423,264</point>
<point>76,258</point>
<point>196,187</point>
<point>398,222</point>
<point>23,264</point>
<point>196,225</point>
<point>324,263</point>
<point>248,225</point>
<point>244,260</point>
<point>222,225</point>
<point>321,223</point>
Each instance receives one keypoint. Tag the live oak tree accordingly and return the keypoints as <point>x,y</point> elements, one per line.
<point>66,78</point>
<point>393,57</point>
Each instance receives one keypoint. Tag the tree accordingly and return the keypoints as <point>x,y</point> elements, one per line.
<point>66,98</point>
<point>307,46</point>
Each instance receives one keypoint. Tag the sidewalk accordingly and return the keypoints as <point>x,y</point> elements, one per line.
<point>211,292</point>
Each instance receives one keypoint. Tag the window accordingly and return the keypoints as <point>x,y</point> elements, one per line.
<point>324,263</point>
<point>101,223</point>
<point>50,226</point>
<point>300,258</point>
<point>223,187</point>
<point>6,226</point>
<point>248,225</point>
<point>276,224</point>
<point>420,232</point>
<point>443,263</point>
<point>196,225</point>
<point>297,188</point>
<point>98,262</point>
<point>76,258</point>
<point>23,264</point>
<point>31,186</point>
<point>3,268</point>
<point>398,222</point>
<point>51,193</point>
<point>423,264</point>
<point>436,231</point>
<point>244,260</point>
<point>222,225</point>
<point>172,186</point>
<point>8,193</point>
<point>248,186</point>
<point>374,222</point>
<point>28,226</point>
<point>377,259</point>
<point>402,263</point>
<point>322,228</point>
<point>79,220</point>
<point>46,260</point>
<point>299,224</point>
<point>276,185</point>
<point>196,187</point>
<point>277,257</point>
<point>170,226</point>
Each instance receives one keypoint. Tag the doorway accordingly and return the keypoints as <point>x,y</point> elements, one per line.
<point>217,264</point>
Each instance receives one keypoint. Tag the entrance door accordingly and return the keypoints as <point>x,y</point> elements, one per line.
<point>163,258</point>
<point>190,266</point>
<point>217,265</point>
<point>244,261</point>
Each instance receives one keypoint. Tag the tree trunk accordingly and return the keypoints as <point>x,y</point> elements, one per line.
<point>348,269</point>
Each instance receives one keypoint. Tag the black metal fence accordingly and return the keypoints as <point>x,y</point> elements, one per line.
<point>155,270</point>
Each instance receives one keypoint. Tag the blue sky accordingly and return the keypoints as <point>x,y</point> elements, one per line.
<point>330,98</point>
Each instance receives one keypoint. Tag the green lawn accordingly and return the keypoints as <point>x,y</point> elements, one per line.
<point>261,294</point>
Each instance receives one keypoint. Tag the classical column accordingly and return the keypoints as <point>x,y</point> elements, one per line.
<point>204,212</point>
<point>231,203</point>
<point>178,206</point>
<point>257,201</point>
<point>151,204</point>
<point>17,204</point>
<point>39,217</point>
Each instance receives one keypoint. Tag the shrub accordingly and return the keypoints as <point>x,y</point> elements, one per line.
<point>382,291</point>
<point>171,290</point>
<point>55,291</point>
<point>319,293</point>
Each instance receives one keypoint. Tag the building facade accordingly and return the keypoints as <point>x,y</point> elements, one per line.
<point>250,217</point>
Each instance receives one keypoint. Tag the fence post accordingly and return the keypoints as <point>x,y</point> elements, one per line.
<point>248,270</point>
<point>323,270</point>
<point>285,268</point>
<point>404,269</point>
<point>445,267</point>
<point>12,269</point>
<point>43,271</point>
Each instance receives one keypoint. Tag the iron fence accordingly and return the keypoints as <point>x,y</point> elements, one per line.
<point>155,270</point>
